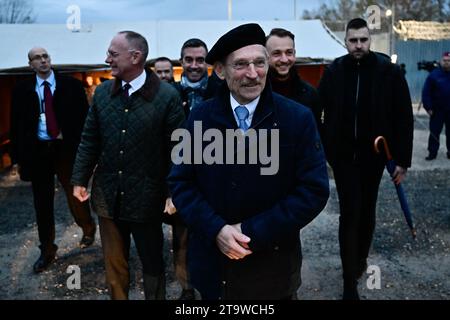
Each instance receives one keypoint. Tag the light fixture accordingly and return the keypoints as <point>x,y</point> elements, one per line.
<point>394,58</point>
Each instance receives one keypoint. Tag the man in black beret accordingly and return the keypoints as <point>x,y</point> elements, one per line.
<point>245,222</point>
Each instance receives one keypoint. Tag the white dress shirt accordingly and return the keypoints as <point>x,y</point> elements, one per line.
<point>251,107</point>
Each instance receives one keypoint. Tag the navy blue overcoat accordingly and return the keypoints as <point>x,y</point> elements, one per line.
<point>271,208</point>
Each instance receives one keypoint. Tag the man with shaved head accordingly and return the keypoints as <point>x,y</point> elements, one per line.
<point>47,117</point>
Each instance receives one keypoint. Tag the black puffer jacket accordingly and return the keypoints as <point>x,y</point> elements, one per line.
<point>128,144</point>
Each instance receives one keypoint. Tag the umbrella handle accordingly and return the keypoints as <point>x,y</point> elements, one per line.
<point>386,148</point>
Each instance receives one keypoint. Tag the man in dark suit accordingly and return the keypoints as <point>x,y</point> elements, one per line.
<point>47,117</point>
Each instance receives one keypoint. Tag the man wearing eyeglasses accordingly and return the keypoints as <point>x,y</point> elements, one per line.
<point>363,96</point>
<point>282,74</point>
<point>126,146</point>
<point>244,225</point>
<point>47,117</point>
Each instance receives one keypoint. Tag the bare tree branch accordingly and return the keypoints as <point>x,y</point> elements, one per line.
<point>16,11</point>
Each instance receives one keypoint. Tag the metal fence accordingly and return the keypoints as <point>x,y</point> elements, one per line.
<point>410,53</point>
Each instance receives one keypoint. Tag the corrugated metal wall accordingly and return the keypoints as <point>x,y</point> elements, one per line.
<point>411,52</point>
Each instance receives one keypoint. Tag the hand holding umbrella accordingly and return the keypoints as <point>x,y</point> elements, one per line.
<point>390,166</point>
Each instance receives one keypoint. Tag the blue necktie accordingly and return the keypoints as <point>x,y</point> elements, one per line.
<point>242,114</point>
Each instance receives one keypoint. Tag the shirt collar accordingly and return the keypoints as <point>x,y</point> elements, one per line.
<point>251,107</point>
<point>50,80</point>
<point>136,83</point>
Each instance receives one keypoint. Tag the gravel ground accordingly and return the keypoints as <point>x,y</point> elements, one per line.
<point>410,269</point>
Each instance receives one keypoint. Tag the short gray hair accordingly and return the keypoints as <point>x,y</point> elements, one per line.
<point>138,42</point>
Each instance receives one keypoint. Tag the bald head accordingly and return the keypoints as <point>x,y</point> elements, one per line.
<point>39,60</point>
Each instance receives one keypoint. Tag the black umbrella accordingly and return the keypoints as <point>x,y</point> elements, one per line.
<point>390,166</point>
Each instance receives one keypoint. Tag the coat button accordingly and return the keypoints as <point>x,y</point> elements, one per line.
<point>224,282</point>
<point>276,248</point>
<point>233,185</point>
<point>120,172</point>
<point>126,110</point>
<point>121,151</point>
<point>123,131</point>
<point>122,193</point>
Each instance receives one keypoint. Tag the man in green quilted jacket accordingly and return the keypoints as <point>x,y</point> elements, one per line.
<point>125,146</point>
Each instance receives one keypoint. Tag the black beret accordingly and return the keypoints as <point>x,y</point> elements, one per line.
<point>241,36</point>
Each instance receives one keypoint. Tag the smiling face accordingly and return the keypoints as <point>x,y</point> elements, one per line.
<point>357,42</point>
<point>125,61</point>
<point>245,72</point>
<point>193,62</point>
<point>40,62</point>
<point>281,55</point>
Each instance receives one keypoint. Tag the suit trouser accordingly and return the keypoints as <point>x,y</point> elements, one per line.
<point>148,238</point>
<point>53,158</point>
<point>180,246</point>
<point>357,187</point>
<point>437,121</point>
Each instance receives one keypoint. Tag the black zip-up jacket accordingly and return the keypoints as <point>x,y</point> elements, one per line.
<point>389,109</point>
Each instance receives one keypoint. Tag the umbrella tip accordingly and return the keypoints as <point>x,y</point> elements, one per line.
<point>414,233</point>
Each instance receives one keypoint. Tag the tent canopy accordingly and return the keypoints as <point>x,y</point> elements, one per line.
<point>88,46</point>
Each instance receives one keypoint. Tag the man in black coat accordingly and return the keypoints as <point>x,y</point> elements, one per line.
<point>244,220</point>
<point>282,74</point>
<point>363,96</point>
<point>47,117</point>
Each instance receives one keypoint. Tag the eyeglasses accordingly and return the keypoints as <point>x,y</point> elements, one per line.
<point>44,56</point>
<point>113,54</point>
<point>243,64</point>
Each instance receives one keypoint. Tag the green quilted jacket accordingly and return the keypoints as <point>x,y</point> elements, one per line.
<point>125,146</point>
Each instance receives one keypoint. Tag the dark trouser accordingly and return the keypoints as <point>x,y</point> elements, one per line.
<point>148,238</point>
<point>180,245</point>
<point>437,121</point>
<point>357,187</point>
<point>52,158</point>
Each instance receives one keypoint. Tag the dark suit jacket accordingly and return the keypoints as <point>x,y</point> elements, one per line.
<point>71,107</point>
